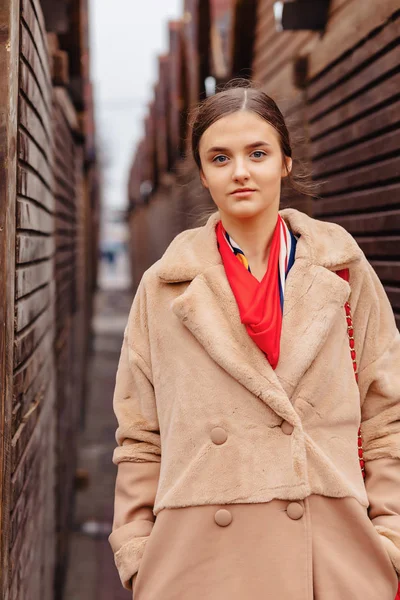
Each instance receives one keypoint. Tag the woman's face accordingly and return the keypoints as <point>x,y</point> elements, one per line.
<point>242,152</point>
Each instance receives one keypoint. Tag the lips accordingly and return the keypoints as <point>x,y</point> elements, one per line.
<point>242,190</point>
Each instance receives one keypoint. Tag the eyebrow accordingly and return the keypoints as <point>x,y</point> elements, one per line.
<point>247,147</point>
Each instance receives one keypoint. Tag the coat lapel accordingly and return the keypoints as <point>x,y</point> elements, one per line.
<point>314,297</point>
<point>208,309</point>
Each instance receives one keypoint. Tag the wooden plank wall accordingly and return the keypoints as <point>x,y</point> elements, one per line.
<point>192,59</point>
<point>161,115</point>
<point>70,329</point>
<point>354,116</point>
<point>176,99</point>
<point>81,316</point>
<point>45,305</point>
<point>9,56</point>
<point>31,543</point>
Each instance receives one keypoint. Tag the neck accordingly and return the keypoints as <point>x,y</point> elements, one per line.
<point>253,235</point>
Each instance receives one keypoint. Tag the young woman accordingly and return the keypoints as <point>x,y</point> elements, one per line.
<point>240,466</point>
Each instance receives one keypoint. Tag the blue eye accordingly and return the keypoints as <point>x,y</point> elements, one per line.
<point>260,153</point>
<point>216,159</point>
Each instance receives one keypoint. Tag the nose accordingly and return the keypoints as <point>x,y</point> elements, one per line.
<point>240,172</point>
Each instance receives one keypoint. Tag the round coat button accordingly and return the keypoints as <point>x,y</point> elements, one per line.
<point>223,517</point>
<point>287,428</point>
<point>295,511</point>
<point>218,435</point>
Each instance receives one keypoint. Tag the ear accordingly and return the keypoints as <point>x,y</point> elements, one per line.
<point>203,179</point>
<point>287,166</point>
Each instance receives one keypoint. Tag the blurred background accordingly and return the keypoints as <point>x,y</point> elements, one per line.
<point>96,180</point>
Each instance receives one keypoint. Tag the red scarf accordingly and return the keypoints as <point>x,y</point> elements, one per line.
<point>259,302</point>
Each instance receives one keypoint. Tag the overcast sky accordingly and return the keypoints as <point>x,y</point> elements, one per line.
<point>125,38</point>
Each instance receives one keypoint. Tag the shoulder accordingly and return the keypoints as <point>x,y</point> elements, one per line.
<point>330,245</point>
<point>176,255</point>
<point>189,253</point>
<point>322,242</point>
<point>181,260</point>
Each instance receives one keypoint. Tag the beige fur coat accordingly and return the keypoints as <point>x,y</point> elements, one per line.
<point>203,419</point>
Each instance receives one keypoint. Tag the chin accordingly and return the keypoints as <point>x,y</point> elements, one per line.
<point>246,209</point>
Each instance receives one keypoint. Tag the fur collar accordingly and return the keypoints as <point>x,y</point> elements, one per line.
<point>321,243</point>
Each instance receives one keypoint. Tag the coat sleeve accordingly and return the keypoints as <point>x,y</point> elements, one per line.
<point>138,453</point>
<point>379,382</point>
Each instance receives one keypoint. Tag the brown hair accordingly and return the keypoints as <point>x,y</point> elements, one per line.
<point>237,95</point>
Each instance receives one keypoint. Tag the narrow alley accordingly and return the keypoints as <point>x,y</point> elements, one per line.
<point>91,574</point>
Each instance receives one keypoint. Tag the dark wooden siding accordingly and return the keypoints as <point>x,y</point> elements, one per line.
<point>161,116</point>
<point>9,56</point>
<point>45,302</point>
<point>70,329</point>
<point>274,51</point>
<point>354,123</point>
<point>31,542</point>
<point>197,46</point>
<point>175,98</point>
